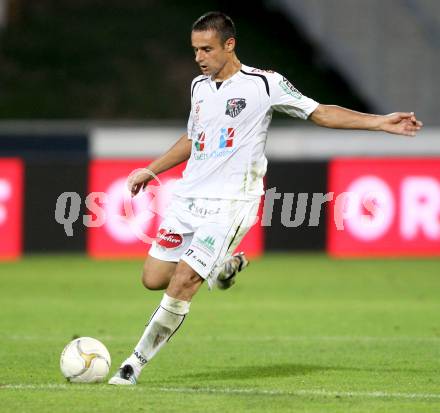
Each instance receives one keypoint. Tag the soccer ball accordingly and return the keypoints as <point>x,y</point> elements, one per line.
<point>85,360</point>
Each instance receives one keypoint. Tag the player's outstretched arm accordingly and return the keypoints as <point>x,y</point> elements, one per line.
<point>178,153</point>
<point>337,117</point>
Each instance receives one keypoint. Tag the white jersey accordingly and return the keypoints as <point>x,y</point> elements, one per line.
<point>228,128</point>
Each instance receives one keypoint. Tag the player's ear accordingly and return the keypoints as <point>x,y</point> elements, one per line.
<point>230,44</point>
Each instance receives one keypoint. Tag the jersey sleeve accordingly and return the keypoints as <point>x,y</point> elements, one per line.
<point>284,97</point>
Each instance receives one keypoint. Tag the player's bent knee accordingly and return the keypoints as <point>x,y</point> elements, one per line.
<point>149,283</point>
<point>156,274</point>
<point>152,281</point>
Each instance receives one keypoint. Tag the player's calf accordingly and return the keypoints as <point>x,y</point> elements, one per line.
<point>164,322</point>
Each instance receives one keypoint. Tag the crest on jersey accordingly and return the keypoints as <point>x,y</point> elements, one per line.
<point>235,106</point>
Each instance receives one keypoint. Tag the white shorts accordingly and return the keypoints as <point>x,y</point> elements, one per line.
<point>203,232</point>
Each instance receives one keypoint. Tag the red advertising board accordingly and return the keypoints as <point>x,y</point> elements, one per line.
<point>128,225</point>
<point>11,208</point>
<point>384,207</point>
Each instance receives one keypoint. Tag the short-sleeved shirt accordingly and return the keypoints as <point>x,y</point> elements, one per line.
<point>228,128</point>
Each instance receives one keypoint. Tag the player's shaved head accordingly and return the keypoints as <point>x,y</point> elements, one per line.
<point>216,21</point>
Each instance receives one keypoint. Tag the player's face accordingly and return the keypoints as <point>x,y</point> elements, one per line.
<point>210,53</point>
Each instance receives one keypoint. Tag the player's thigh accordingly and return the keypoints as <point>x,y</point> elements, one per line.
<point>164,254</point>
<point>214,241</point>
<point>156,273</point>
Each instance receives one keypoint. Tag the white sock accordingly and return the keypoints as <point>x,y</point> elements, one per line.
<point>164,322</point>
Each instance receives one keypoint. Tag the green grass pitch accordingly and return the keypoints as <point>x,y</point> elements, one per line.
<point>300,333</point>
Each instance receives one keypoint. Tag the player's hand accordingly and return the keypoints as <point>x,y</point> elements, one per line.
<point>138,180</point>
<point>401,123</point>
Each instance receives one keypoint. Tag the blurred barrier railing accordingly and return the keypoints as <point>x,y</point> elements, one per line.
<point>286,140</point>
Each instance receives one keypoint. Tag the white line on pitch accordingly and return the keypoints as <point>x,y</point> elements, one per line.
<point>248,391</point>
<point>325,393</point>
<point>58,386</point>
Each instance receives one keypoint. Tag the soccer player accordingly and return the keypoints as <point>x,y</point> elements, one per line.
<point>216,201</point>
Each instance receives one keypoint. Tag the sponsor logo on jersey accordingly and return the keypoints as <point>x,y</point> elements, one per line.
<point>218,153</point>
<point>206,244</point>
<point>235,106</point>
<point>225,145</point>
<point>202,212</point>
<point>227,137</point>
<point>289,88</point>
<point>200,142</point>
<point>168,240</point>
